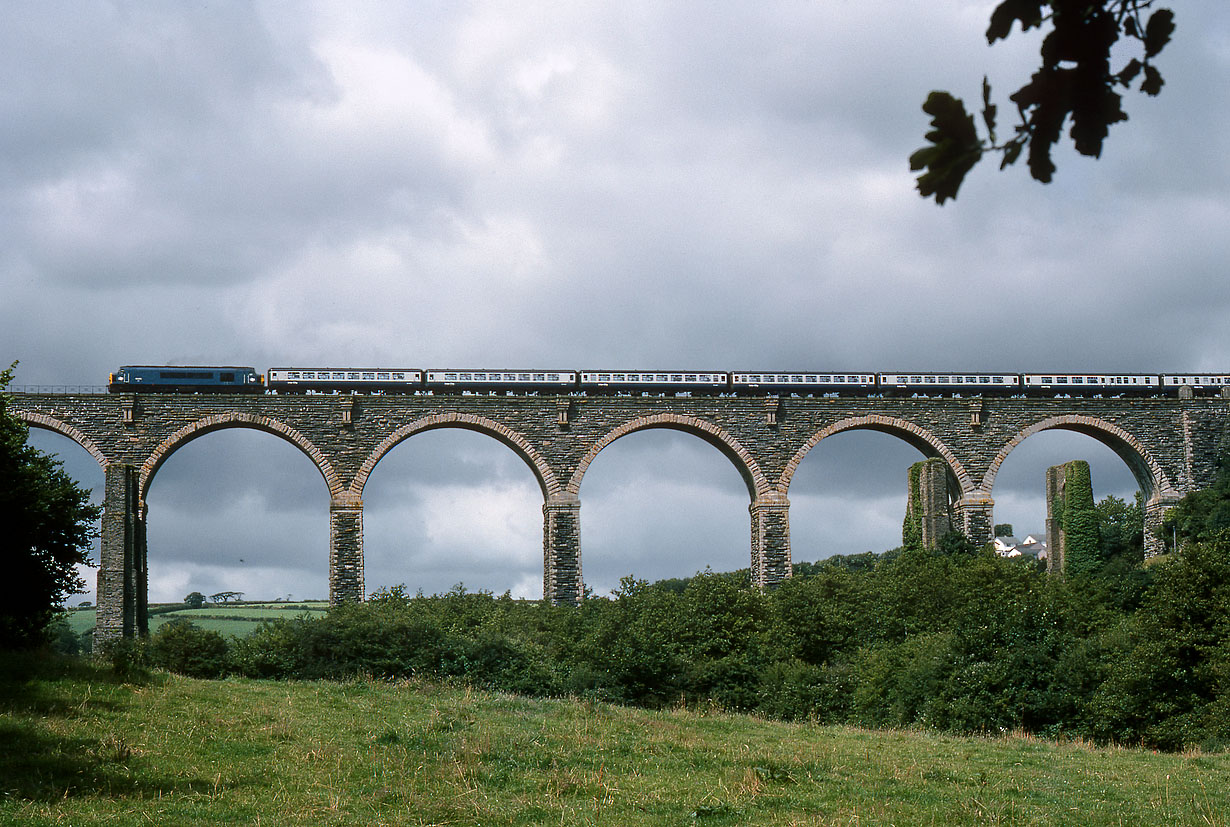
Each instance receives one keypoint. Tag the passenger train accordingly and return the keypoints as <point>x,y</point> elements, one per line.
<point>205,379</point>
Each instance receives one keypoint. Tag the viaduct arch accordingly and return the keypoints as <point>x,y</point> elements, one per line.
<point>1170,444</point>
<point>224,421</point>
<point>1148,473</point>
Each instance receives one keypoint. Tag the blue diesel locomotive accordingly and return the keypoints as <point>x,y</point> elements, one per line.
<point>171,379</point>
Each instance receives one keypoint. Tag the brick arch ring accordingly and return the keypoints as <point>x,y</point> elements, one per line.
<point>47,423</point>
<point>218,422</point>
<point>518,443</point>
<point>1142,464</point>
<point>920,438</point>
<point>757,485</point>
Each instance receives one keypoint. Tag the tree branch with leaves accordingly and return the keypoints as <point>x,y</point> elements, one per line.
<point>46,534</point>
<point>1076,84</point>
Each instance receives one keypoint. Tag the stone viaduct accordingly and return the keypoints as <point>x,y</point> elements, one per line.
<point>1170,445</point>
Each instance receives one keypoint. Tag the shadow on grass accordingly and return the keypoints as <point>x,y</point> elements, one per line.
<point>33,682</point>
<point>39,765</point>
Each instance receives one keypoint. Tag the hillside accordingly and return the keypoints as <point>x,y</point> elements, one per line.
<point>84,748</point>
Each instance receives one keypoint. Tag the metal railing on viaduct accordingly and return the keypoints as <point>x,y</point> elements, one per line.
<point>1170,445</point>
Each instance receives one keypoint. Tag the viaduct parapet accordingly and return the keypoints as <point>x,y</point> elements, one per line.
<point>1170,445</point>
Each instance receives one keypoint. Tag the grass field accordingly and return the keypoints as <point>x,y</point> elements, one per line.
<point>234,620</point>
<point>82,748</point>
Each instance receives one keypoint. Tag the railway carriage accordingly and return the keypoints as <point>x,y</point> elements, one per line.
<point>337,380</point>
<point>657,381</point>
<point>445,380</point>
<point>804,384</point>
<point>1203,384</point>
<point>1091,384</point>
<point>940,384</point>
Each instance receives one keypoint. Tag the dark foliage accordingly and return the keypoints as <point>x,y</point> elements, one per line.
<point>1075,86</point>
<point>181,646</point>
<point>1172,687</point>
<point>48,523</point>
<point>1080,519</point>
<point>1201,515</point>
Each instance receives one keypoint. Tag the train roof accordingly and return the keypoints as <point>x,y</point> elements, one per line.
<point>187,367</point>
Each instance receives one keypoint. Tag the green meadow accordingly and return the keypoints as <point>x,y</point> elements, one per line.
<point>232,620</point>
<point>82,747</point>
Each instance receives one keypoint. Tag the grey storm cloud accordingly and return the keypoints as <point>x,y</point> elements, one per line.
<point>499,184</point>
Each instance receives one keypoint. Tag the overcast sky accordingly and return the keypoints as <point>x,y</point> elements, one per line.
<point>519,184</point>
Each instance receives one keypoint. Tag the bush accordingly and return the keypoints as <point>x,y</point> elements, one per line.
<point>794,690</point>
<point>61,638</point>
<point>183,647</point>
<point>128,659</point>
<point>275,650</point>
<point>1172,688</point>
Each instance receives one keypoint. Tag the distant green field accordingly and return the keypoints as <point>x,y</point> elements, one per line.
<point>233,619</point>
